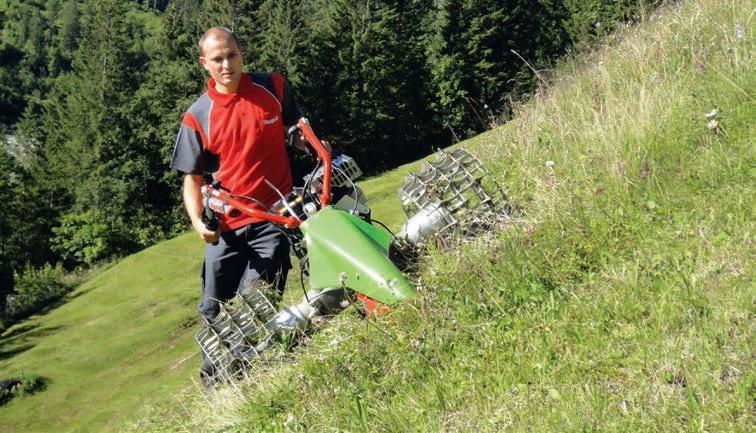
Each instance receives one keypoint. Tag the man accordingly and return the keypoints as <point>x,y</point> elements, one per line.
<point>236,131</point>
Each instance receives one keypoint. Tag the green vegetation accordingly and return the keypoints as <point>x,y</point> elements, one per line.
<point>19,387</point>
<point>623,303</point>
<point>38,288</point>
<point>122,339</point>
<point>92,93</point>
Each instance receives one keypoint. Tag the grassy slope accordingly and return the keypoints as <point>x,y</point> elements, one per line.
<point>124,339</point>
<point>624,304</point>
<point>114,345</point>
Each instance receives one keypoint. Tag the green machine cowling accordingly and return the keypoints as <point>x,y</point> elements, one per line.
<point>343,250</point>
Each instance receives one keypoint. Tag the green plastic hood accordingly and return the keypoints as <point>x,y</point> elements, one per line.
<point>344,250</point>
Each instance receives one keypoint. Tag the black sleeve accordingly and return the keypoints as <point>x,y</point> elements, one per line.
<point>188,155</point>
<point>290,111</point>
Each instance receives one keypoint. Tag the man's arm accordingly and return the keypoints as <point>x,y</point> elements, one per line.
<point>193,204</point>
<point>291,113</point>
<point>300,143</point>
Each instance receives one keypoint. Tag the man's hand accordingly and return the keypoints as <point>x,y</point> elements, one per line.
<point>301,143</point>
<point>193,204</point>
<point>206,235</point>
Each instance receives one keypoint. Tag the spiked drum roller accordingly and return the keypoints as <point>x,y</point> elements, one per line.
<point>454,194</point>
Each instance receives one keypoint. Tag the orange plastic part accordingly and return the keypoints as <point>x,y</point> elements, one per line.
<point>372,307</point>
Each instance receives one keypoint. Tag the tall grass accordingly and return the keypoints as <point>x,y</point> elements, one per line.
<point>625,303</point>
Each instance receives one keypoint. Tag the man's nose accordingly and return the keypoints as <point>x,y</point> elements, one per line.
<point>226,63</point>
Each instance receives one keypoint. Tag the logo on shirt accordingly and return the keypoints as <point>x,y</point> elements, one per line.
<point>270,121</point>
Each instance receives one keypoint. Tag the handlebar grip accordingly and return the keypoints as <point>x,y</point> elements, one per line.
<point>209,219</point>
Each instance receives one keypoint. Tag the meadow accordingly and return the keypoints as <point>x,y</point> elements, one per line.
<point>622,302</point>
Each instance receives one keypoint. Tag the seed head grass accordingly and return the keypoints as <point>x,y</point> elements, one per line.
<point>621,301</point>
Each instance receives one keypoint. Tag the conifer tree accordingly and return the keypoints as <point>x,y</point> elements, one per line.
<point>89,153</point>
<point>70,28</point>
<point>173,81</point>
<point>476,71</point>
<point>278,44</point>
<point>369,93</point>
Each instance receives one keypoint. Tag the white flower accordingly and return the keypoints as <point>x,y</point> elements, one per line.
<point>549,163</point>
<point>739,34</point>
<point>711,113</point>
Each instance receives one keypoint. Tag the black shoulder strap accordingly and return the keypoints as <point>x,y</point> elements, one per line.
<point>266,80</point>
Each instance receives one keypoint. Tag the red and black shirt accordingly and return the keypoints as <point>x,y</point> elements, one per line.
<point>239,138</point>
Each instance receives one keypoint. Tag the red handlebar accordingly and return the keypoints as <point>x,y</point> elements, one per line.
<point>224,202</point>
<point>320,149</point>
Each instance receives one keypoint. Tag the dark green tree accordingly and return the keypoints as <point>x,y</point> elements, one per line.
<point>367,90</point>
<point>24,222</point>
<point>279,42</point>
<point>482,55</point>
<point>174,79</point>
<point>89,153</point>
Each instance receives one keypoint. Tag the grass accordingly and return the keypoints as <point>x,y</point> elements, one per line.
<point>123,340</point>
<point>624,303</point>
<point>116,343</point>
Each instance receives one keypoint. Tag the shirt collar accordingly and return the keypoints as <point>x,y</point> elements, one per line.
<point>245,86</point>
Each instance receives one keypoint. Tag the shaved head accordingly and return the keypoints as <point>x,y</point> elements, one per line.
<point>221,56</point>
<point>215,32</point>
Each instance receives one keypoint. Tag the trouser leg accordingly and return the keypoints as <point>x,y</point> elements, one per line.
<point>241,257</point>
<point>269,259</point>
<point>222,269</point>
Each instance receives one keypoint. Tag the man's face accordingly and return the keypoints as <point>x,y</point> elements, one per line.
<point>223,59</point>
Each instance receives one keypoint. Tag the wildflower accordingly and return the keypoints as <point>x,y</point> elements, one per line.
<point>549,163</point>
<point>289,419</point>
<point>739,34</point>
<point>712,124</point>
<point>711,113</point>
<point>598,24</point>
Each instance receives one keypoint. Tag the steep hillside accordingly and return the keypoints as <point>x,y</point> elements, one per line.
<point>117,343</point>
<point>124,340</point>
<point>623,304</point>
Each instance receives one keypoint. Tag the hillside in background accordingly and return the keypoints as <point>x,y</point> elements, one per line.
<point>622,303</point>
<point>123,340</point>
<point>92,93</point>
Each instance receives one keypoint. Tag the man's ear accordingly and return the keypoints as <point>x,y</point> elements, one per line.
<point>202,61</point>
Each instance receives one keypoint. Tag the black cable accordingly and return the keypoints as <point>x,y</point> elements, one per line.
<point>383,225</point>
<point>309,181</point>
<point>301,280</point>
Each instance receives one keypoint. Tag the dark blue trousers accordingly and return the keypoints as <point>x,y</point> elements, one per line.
<point>254,252</point>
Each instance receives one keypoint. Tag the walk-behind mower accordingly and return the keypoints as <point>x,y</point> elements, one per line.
<point>343,255</point>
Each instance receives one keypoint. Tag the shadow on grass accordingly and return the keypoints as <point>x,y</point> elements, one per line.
<point>5,354</point>
<point>18,335</point>
<point>18,340</point>
<point>51,305</point>
<point>21,386</point>
<point>60,301</point>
